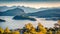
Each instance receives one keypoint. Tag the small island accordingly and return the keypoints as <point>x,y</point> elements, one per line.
<point>24,18</point>
<point>2,20</point>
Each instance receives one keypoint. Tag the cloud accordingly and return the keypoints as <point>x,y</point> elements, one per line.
<point>29,0</point>
<point>10,1</point>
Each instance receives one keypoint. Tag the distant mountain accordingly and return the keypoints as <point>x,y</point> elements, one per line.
<point>22,17</point>
<point>26,9</point>
<point>5,8</point>
<point>54,12</point>
<point>12,12</point>
<point>41,12</point>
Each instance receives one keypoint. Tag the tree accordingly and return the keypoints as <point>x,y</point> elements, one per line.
<point>33,31</point>
<point>7,31</point>
<point>41,28</point>
<point>57,32</point>
<point>30,29</point>
<point>1,30</point>
<point>49,32</point>
<point>28,26</point>
<point>15,32</point>
<point>25,33</point>
<point>40,33</point>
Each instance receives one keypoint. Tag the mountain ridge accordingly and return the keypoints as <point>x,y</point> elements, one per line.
<point>12,12</point>
<point>46,13</point>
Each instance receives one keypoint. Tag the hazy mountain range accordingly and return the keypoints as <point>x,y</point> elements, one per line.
<point>18,10</point>
<point>49,14</point>
<point>26,9</point>
<point>12,12</point>
<point>9,11</point>
<point>5,8</point>
<point>54,12</point>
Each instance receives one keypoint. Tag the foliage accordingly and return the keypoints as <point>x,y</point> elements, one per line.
<point>57,32</point>
<point>7,31</point>
<point>30,29</point>
<point>1,30</point>
<point>15,32</point>
<point>41,28</point>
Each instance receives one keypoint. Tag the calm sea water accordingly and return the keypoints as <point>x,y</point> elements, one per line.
<point>13,24</point>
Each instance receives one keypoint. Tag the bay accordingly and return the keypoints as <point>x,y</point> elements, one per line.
<point>14,24</point>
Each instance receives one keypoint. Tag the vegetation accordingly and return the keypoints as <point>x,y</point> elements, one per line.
<point>7,31</point>
<point>30,29</point>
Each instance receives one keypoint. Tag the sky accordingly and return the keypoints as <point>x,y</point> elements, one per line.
<point>31,3</point>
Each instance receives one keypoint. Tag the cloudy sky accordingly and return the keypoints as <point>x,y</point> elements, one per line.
<point>31,3</point>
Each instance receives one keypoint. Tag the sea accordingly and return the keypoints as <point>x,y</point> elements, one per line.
<point>14,24</point>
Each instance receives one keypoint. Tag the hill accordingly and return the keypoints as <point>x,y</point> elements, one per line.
<point>12,12</point>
